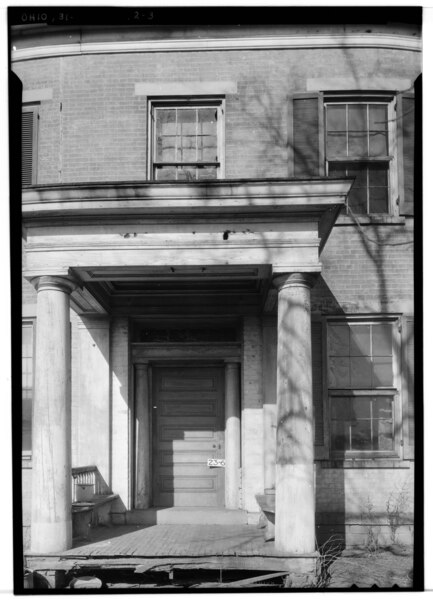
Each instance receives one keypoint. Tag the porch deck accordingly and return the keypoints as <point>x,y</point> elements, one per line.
<point>166,547</point>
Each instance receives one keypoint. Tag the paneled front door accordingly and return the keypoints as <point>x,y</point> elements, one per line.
<point>188,428</point>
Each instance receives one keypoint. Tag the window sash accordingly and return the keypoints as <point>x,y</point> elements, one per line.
<point>369,200</point>
<point>353,395</point>
<point>180,162</point>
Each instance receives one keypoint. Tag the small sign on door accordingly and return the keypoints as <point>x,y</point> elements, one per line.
<point>216,462</point>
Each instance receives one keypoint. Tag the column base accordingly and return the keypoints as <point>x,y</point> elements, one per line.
<point>51,537</point>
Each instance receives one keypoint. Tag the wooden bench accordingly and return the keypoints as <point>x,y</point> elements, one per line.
<point>91,513</point>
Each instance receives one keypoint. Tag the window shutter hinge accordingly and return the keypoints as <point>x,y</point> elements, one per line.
<point>399,327</point>
<point>61,106</point>
<point>401,443</point>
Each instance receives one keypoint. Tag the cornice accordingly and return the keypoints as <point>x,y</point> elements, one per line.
<point>305,42</point>
<point>134,199</point>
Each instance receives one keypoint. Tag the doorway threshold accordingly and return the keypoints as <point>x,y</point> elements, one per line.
<point>185,516</point>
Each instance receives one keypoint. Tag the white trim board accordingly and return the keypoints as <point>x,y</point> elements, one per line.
<point>400,42</point>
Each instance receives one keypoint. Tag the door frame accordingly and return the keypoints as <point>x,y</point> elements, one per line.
<point>149,356</point>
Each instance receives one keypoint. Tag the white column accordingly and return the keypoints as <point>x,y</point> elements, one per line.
<point>294,511</point>
<point>51,524</point>
<point>232,435</point>
<point>142,437</point>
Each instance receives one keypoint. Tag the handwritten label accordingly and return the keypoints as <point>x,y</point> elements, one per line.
<point>216,462</point>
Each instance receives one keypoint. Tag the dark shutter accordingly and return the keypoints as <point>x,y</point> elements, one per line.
<point>28,131</point>
<point>308,156</point>
<point>408,372</point>
<point>318,389</point>
<point>406,149</point>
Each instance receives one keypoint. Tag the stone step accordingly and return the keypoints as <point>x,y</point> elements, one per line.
<point>185,516</point>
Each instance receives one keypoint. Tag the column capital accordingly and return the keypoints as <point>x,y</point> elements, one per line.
<point>142,365</point>
<point>285,280</point>
<point>57,283</point>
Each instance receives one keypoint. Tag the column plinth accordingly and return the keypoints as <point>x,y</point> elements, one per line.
<point>51,522</point>
<point>295,501</point>
<point>232,436</point>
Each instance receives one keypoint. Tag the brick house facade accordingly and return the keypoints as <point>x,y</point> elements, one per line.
<point>232,209</point>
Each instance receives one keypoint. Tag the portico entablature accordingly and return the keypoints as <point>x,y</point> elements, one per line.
<point>151,228</point>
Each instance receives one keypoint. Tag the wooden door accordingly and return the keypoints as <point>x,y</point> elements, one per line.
<point>188,428</point>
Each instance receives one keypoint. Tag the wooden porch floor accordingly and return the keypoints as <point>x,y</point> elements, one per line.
<point>164,547</point>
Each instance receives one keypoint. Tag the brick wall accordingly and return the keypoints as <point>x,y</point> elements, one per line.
<point>94,127</point>
<point>368,271</point>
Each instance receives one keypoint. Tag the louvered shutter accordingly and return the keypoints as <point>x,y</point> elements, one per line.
<point>308,135</point>
<point>406,150</point>
<point>320,450</point>
<point>408,387</point>
<point>28,147</point>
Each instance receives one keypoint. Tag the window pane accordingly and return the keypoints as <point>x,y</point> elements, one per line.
<point>207,121</point>
<point>339,374</point>
<point>165,148</point>
<point>361,435</point>
<point>357,200</point>
<point>186,122</point>
<point>339,436</point>
<point>360,174</point>
<point>383,435</point>
<point>382,407</point>
<point>357,117</point>
<point>206,173</point>
<point>378,117</point>
<point>336,170</point>
<point>361,408</point>
<point>382,371</point>
<point>186,173</point>
<point>338,340</point>
<point>341,409</point>
<point>165,173</point>
<point>378,175</point>
<point>357,144</point>
<point>378,200</point>
<point>378,144</point>
<point>336,144</point>
<point>360,372</point>
<point>207,148</point>
<point>360,340</point>
<point>336,117</point>
<point>382,339</point>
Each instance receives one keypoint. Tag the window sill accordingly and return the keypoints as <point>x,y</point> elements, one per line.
<point>370,220</point>
<point>365,463</point>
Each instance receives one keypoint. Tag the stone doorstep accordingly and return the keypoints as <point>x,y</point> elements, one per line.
<point>186,516</point>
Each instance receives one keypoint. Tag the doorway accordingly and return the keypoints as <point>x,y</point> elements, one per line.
<point>188,429</point>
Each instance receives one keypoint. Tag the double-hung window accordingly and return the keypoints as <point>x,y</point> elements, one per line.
<point>360,143</point>
<point>186,140</point>
<point>363,388</point>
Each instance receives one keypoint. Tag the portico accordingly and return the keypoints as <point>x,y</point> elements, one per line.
<point>136,262</point>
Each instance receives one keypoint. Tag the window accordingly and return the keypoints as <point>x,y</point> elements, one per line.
<point>29,132</point>
<point>363,387</point>
<point>186,141</point>
<point>359,143</point>
<point>27,385</point>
